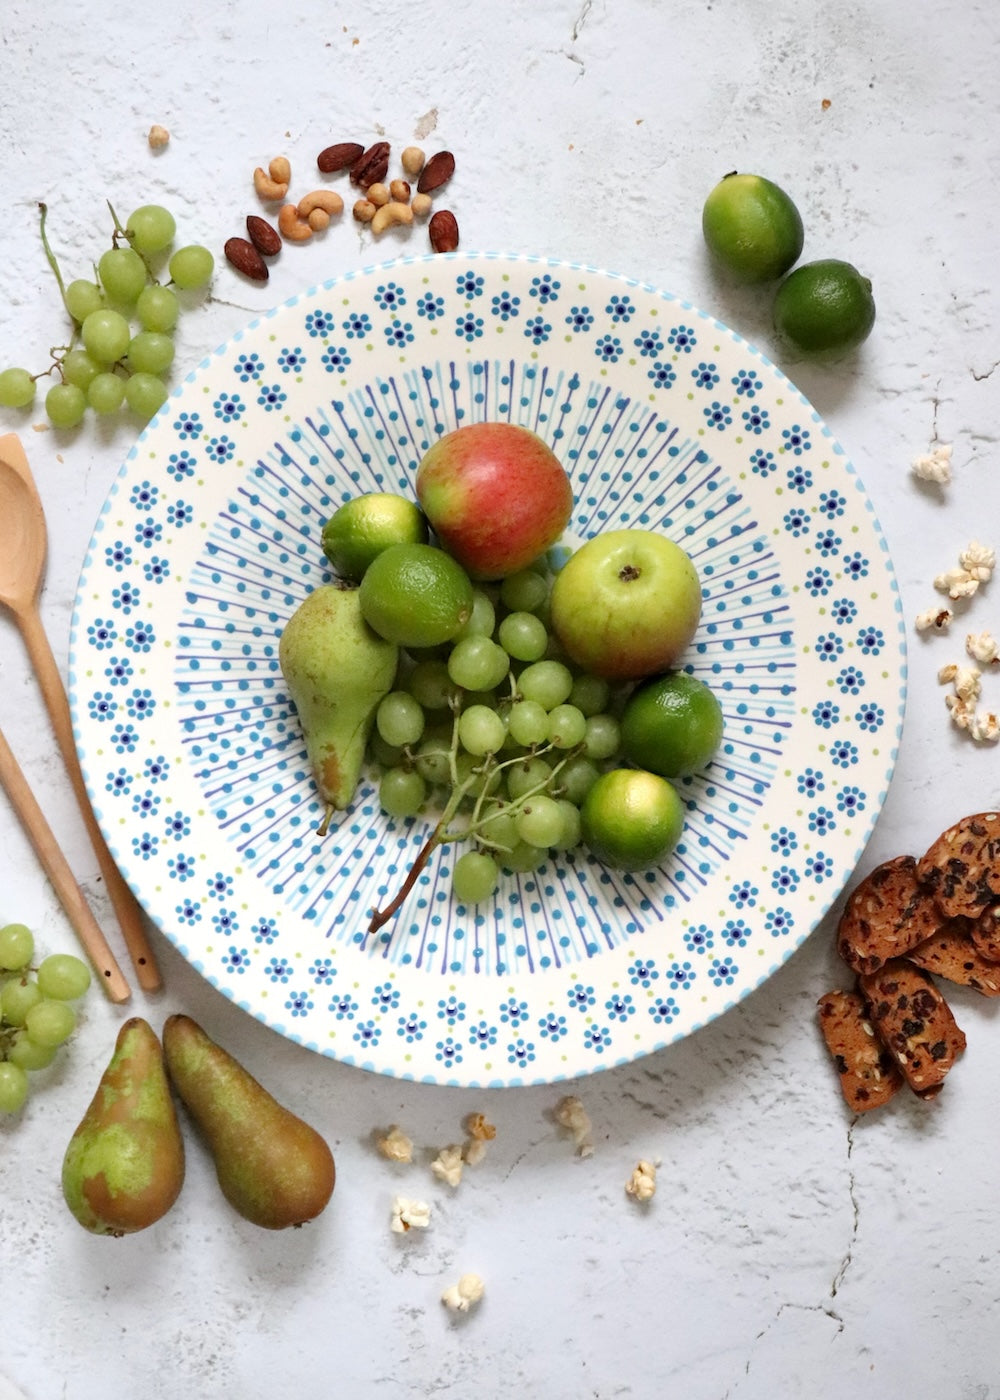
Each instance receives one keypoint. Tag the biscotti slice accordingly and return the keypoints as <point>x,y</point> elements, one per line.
<point>952,953</point>
<point>886,915</point>
<point>962,868</point>
<point>869,1076</point>
<point>915,1022</point>
<point>985,933</point>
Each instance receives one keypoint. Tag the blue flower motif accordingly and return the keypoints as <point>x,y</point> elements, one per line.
<point>450,1009</point>
<point>513,1011</point>
<point>581,997</point>
<point>746,383</point>
<point>102,706</point>
<point>125,738</point>
<point>783,841</point>
<point>762,462</point>
<point>620,1006</point>
<point>822,821</point>
<point>189,911</point>
<point>799,479</point>
<point>483,1035</point>
<point>334,359</point>
<point>811,782</point>
<point>398,333</point>
<point>265,931</point>
<point>597,1038</point>
<point>796,522</point>
<point>520,1052</point>
<point>681,975</point>
<point>723,971</point>
<point>662,375</point>
<point>411,1028</point>
<point>179,514</point>
<point>299,1003</point>
<point>148,532</point>
<point>870,717</point>
<point>118,556</point>
<point>140,704</point>
<point>156,570</point>
<point>225,921</point>
<point>643,972</point>
<point>291,361</point>
<point>832,504</point>
<point>650,343</point>
<point>319,323</point>
<point>785,879</point>
<point>829,647</point>
<point>271,397</point>
<point>826,713</point>
<point>322,970</point>
<point>608,349</point>
<point>683,338</point>
<point>718,415</point>
<point>545,288</point>
<point>537,330</point>
<point>736,934</point>
<point>120,783</point>
<point>744,895</point>
<point>506,306</point>
<point>155,770</point>
<point>851,801</point>
<point>277,970</point>
<point>237,959</point>
<point>229,407</point>
<point>430,306</point>
<point>469,285</point>
<point>188,425</point>
<point>367,1033</point>
<point>181,867</point>
<point>850,681</point>
<point>140,637</point>
<point>698,939</point>
<point>664,1010</point>
<point>358,325</point>
<point>145,804</point>
<point>390,296</point>
<point>448,1051</point>
<point>843,611</point>
<point>819,581</point>
<point>843,753</point>
<point>221,449</point>
<point>248,367</point>
<point>386,996</point>
<point>856,566</point>
<point>757,420</point>
<point>620,308</point>
<point>468,326</point>
<point>177,826</point>
<point>819,866</point>
<point>796,439</point>
<point>871,640</point>
<point>779,922</point>
<point>579,319</point>
<point>553,1027</point>
<point>828,542</point>
<point>144,496</point>
<point>101,634</point>
<point>344,1007</point>
<point>145,845</point>
<point>705,376</point>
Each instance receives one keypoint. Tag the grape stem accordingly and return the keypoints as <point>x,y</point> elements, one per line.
<point>43,210</point>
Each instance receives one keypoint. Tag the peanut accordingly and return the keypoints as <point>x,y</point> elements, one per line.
<point>421,204</point>
<point>318,220</point>
<point>293,229</point>
<point>412,160</point>
<point>378,193</point>
<point>268,188</point>
<point>389,214</point>
<point>364,211</point>
<point>280,170</point>
<point>158,137</point>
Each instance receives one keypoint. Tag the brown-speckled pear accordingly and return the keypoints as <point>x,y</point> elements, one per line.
<point>337,669</point>
<point>273,1168</point>
<point>124,1166</point>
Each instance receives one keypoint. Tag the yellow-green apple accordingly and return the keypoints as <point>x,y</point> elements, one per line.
<point>496,497</point>
<point>626,604</point>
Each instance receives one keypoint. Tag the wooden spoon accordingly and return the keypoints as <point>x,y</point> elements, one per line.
<point>23,544</point>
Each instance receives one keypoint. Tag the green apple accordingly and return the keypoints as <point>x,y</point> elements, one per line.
<point>626,604</point>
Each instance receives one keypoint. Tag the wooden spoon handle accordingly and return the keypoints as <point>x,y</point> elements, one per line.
<point>63,880</point>
<point>126,907</point>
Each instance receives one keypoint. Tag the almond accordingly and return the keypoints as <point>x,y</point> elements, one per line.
<point>437,172</point>
<point>264,237</point>
<point>245,258</point>
<point>443,231</point>
<point>371,166</point>
<point>339,156</point>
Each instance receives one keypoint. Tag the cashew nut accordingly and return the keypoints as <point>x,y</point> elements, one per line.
<point>328,201</point>
<point>268,188</point>
<point>280,170</point>
<point>292,228</point>
<point>392,213</point>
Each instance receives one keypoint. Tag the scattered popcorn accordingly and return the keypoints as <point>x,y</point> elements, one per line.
<point>966,681</point>
<point>642,1183</point>
<point>975,566</point>
<point>447,1165</point>
<point>480,1132</point>
<point>409,1215</point>
<point>957,583</point>
<point>936,619</point>
<point>474,1151</point>
<point>395,1145</point>
<point>464,1294</point>
<point>984,727</point>
<point>934,465</point>
<point>571,1114</point>
<point>982,647</point>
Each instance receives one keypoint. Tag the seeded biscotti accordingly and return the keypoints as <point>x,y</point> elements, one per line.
<point>915,1023</point>
<point>886,915</point>
<point>962,867</point>
<point>952,953</point>
<point>869,1076</point>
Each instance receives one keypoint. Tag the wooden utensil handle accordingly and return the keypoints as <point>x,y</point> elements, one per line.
<point>126,907</point>
<point>63,880</point>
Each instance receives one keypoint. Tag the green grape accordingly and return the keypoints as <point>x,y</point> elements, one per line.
<point>540,821</point>
<point>526,776</point>
<point>433,762</point>
<point>576,777</point>
<point>477,663</point>
<point>547,682</point>
<point>590,694</point>
<point>498,827</point>
<point>481,730</point>
<point>123,275</point>
<point>83,297</point>
<point>526,591</point>
<point>603,737</point>
<point>17,947</point>
<point>106,335</point>
<point>25,1053</point>
<point>65,405</point>
<point>62,977</point>
<point>485,775</point>
<point>78,368</point>
<point>157,308</point>
<point>567,726</point>
<point>524,857</point>
<point>399,718</point>
<point>528,723</point>
<point>13,1087</point>
<point>402,792</point>
<point>106,392</point>
<point>523,636</point>
<point>385,755</point>
<point>481,620</point>
<point>145,394</point>
<point>17,996</point>
<point>151,228</point>
<point>49,1023</point>
<point>192,267</point>
<point>430,685</point>
<point>150,352</point>
<point>17,388</point>
<point>474,877</point>
<point>572,826</point>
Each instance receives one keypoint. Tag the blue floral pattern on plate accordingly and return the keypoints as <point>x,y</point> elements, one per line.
<point>210,538</point>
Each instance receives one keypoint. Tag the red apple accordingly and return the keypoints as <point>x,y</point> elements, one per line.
<point>496,497</point>
<point>626,604</point>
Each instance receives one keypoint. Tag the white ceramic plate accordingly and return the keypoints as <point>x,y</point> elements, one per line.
<point>210,538</point>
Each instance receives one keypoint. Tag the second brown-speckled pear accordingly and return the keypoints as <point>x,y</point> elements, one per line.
<point>273,1168</point>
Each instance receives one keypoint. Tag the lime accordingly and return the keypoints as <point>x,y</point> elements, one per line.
<point>631,819</point>
<point>671,725</point>
<point>365,525</point>
<point>752,227</point>
<point>824,307</point>
<point>415,595</point>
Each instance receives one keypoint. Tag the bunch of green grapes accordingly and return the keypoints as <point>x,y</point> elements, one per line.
<point>123,317</point>
<point>36,1015</point>
<point>498,736</point>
